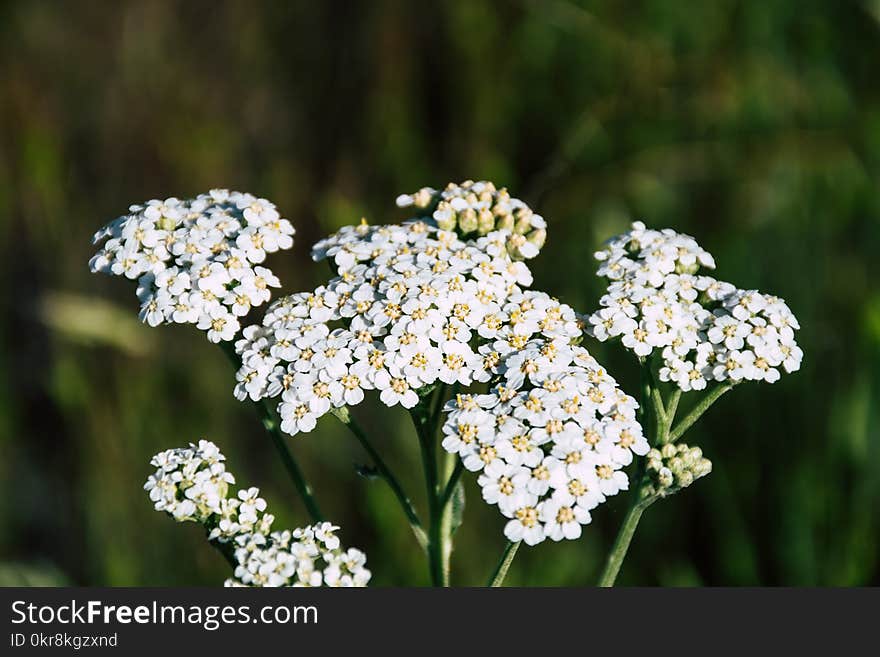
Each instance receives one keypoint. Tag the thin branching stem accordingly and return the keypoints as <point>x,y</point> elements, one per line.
<point>454,478</point>
<point>343,415</point>
<point>665,434</point>
<point>290,464</point>
<point>270,423</point>
<point>496,579</point>
<point>671,408</point>
<point>623,540</point>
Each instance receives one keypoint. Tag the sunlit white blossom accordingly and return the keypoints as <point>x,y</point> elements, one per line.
<point>196,261</point>
<point>192,484</point>
<point>702,329</point>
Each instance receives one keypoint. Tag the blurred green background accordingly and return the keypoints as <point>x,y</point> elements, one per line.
<point>754,126</point>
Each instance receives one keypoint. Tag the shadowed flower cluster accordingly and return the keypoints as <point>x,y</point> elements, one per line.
<point>192,484</point>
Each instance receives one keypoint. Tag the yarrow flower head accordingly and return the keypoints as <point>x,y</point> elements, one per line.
<point>192,484</point>
<point>408,309</point>
<point>196,261</point>
<point>477,209</point>
<point>553,434</point>
<point>704,329</point>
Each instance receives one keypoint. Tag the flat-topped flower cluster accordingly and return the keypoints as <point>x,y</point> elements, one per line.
<point>196,261</point>
<point>551,437</point>
<point>704,329</point>
<point>192,484</point>
<point>408,309</point>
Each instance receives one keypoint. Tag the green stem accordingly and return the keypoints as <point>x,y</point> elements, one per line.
<point>698,410</point>
<point>438,406</point>
<point>624,538</point>
<point>671,408</point>
<point>664,415</point>
<point>452,482</point>
<point>655,396</point>
<point>343,415</point>
<point>274,430</point>
<point>500,572</point>
<point>290,464</point>
<point>452,469</point>
<point>421,419</point>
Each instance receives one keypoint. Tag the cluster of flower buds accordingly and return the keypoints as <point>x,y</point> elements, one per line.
<point>192,484</point>
<point>475,209</point>
<point>673,467</point>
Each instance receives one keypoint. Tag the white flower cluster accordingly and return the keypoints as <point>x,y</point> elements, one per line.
<point>192,484</point>
<point>553,434</point>
<point>475,209</point>
<point>705,329</point>
<point>196,261</point>
<point>304,557</point>
<point>405,312</point>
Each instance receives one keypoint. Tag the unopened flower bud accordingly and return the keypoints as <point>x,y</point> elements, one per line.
<point>523,221</point>
<point>684,479</point>
<point>485,222</point>
<point>445,216</point>
<point>423,197</point>
<point>538,237</point>
<point>467,221</point>
<point>505,222</point>
<point>681,268</point>
<point>702,468</point>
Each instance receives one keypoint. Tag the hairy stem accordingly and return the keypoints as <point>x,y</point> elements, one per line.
<point>343,415</point>
<point>500,572</point>
<point>452,468</point>
<point>440,486</point>
<point>671,408</point>
<point>454,476</point>
<point>622,542</point>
